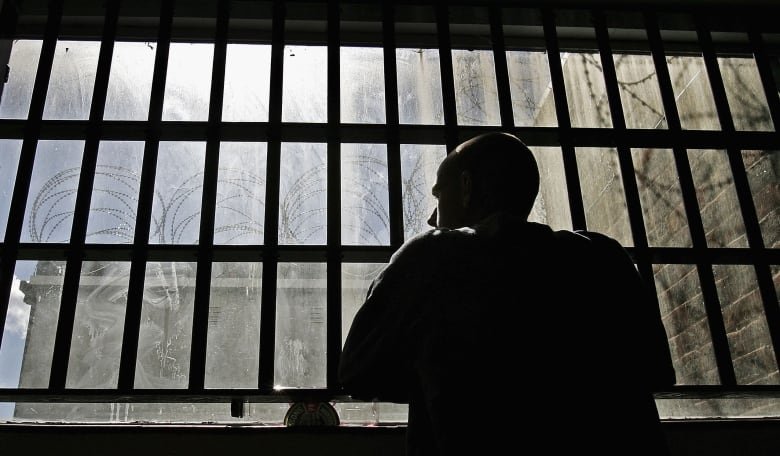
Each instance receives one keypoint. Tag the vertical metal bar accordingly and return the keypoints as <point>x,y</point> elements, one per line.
<point>765,72</point>
<point>145,199</point>
<point>393,136</point>
<point>502,72</point>
<point>564,121</point>
<point>447,76</point>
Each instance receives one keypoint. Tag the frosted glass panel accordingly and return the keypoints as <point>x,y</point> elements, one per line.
<point>586,91</point>
<point>362,85</point>
<point>693,94</point>
<point>53,187</point>
<point>130,81</point>
<point>96,344</point>
<point>305,85</point>
<point>300,356</point>
<point>763,172</point>
<point>240,213</point>
<point>166,326</point>
<point>372,413</point>
<point>356,278</point>
<point>419,86</point>
<point>247,83</point>
<point>747,100</point>
<point>533,103</point>
<point>72,80</point>
<point>188,82</point>
<point>552,204</point>
<point>419,163</point>
<point>602,193</point>
<point>23,64</point>
<point>112,212</point>
<point>232,352</point>
<point>365,211</point>
<point>31,324</point>
<point>640,94</point>
<point>476,96</point>
<point>178,189</point>
<point>302,198</point>
<point>10,150</point>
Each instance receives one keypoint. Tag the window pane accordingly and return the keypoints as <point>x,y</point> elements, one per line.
<point>188,82</point>
<point>640,94</point>
<point>476,96</point>
<point>693,94</point>
<point>10,151</point>
<point>233,349</point>
<point>247,83</point>
<point>365,213</point>
<point>372,413</point>
<point>177,193</point>
<point>745,93</point>
<point>602,193</point>
<point>52,197</point>
<point>419,86</point>
<point>419,163</point>
<point>302,197</point>
<point>72,80</point>
<point>301,328</point>
<point>685,319</point>
<point>763,171</point>
<point>112,212</point>
<point>532,95</point>
<point>552,205</point>
<point>362,85</point>
<point>166,326</point>
<point>130,81</point>
<point>746,327</point>
<point>23,64</point>
<point>717,196</point>
<point>586,90</point>
<point>31,324</point>
<point>96,344</point>
<point>356,278</point>
<point>719,408</point>
<point>240,209</point>
<point>305,84</point>
<point>661,198</point>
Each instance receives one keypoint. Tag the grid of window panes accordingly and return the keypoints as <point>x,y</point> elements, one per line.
<point>194,203</point>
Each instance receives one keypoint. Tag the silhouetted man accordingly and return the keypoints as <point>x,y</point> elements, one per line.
<point>503,335</point>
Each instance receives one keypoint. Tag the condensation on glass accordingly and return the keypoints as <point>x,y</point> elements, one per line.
<point>533,102</point>
<point>365,207</point>
<point>476,95</point>
<point>247,83</point>
<point>586,91</point>
<point>356,279</point>
<point>130,81</point>
<point>17,92</point>
<point>164,338</point>
<point>552,204</point>
<point>362,85</point>
<point>745,94</point>
<point>640,95</point>
<point>10,151</point>
<point>72,80</point>
<point>744,407</point>
<point>303,194</point>
<point>300,355</point>
<point>692,92</point>
<point>96,342</point>
<point>419,163</point>
<point>188,82</point>
<point>763,172</point>
<point>233,347</point>
<point>240,211</point>
<point>52,196</point>
<point>305,84</point>
<point>419,86</point>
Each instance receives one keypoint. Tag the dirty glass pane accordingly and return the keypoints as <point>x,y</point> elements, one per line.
<point>419,163</point>
<point>746,327</point>
<point>31,324</point>
<point>247,83</point>
<point>10,151</point>
<point>532,95</point>
<point>586,90</point>
<point>763,172</point>
<point>240,215</point>
<point>693,94</point>
<point>602,193</point>
<point>661,198</point>
<point>52,197</point>
<point>163,359</point>
<point>130,81</point>
<point>96,344</point>
<point>305,84</point>
<point>685,320</point>
<point>365,208</point>
<point>301,326</point>
<point>552,205</point>
<point>717,197</point>
<point>233,349</point>
<point>177,193</point>
<point>356,278</point>
<point>372,413</point>
<point>72,80</point>
<point>303,194</point>
<point>112,212</point>
<point>419,86</point>
<point>17,92</point>
<point>476,95</point>
<point>745,93</point>
<point>718,407</point>
<point>640,94</point>
<point>188,82</point>
<point>362,85</point>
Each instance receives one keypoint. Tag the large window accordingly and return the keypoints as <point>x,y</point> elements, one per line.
<point>195,197</point>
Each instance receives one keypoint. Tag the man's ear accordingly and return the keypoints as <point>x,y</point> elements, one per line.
<point>466,187</point>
